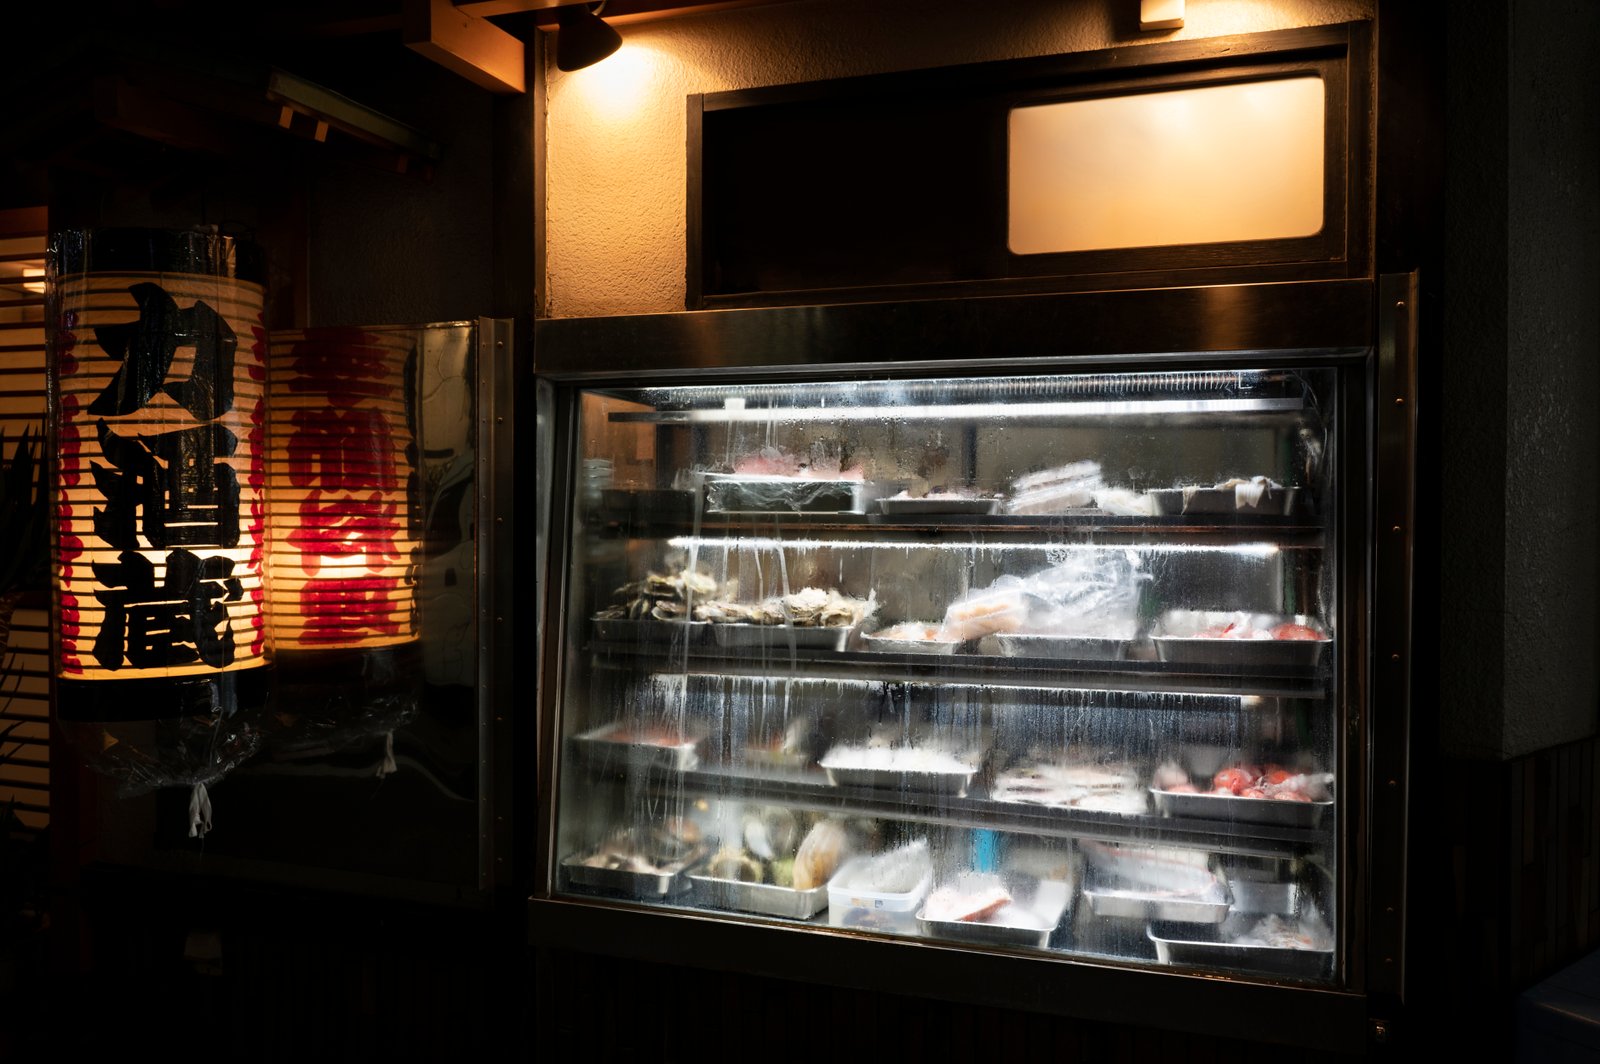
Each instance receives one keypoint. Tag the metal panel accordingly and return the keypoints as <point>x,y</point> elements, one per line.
<point>1325,1019</point>
<point>1144,328</point>
<point>496,651</point>
<point>1388,730</point>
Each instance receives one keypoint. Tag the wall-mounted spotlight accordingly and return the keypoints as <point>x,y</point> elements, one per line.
<point>582,39</point>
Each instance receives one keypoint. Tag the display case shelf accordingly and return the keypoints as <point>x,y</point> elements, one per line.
<point>674,515</point>
<point>812,791</point>
<point>1132,676</point>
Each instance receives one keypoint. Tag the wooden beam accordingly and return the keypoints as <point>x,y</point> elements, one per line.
<point>476,49</point>
<point>491,8</point>
<point>616,12</point>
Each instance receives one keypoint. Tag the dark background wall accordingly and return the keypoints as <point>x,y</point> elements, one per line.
<point>155,115</point>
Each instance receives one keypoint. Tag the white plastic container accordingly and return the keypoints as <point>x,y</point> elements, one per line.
<point>894,914</point>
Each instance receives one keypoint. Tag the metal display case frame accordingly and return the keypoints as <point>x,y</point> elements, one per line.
<point>1366,330</point>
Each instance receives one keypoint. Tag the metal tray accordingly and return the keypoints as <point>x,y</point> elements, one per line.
<point>913,507</point>
<point>733,493</point>
<point>761,898</point>
<point>879,645</point>
<point>650,632</point>
<point>1108,897</point>
<point>1240,810</point>
<point>598,749</point>
<point>1045,913</point>
<point>781,636</point>
<point>1169,502</point>
<point>1067,648</point>
<point>1175,640</point>
<point>1259,898</point>
<point>989,934</point>
<point>947,783</point>
<point>633,884</point>
<point>1267,960</point>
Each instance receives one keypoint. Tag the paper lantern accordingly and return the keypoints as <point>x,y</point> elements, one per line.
<point>342,560</point>
<point>157,404</point>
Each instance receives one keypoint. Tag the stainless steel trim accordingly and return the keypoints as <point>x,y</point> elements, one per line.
<point>495,531</point>
<point>762,415</point>
<point>1148,327</point>
<point>1389,729</point>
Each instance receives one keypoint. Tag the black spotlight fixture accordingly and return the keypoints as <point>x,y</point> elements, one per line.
<point>581,38</point>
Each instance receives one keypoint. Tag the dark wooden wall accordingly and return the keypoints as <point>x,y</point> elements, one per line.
<point>1522,844</point>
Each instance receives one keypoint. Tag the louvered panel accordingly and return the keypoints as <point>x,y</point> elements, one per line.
<point>25,666</point>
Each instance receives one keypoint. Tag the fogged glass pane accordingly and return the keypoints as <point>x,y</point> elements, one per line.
<point>1187,166</point>
<point>1036,661</point>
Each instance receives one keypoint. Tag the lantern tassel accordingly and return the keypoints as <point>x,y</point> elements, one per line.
<point>387,766</point>
<point>199,811</point>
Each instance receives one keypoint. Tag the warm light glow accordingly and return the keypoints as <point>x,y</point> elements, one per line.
<point>33,277</point>
<point>610,92</point>
<point>342,466</point>
<point>1183,166</point>
<point>160,519</point>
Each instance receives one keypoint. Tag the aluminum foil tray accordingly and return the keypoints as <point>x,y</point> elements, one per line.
<point>599,748</point>
<point>1241,810</point>
<point>1169,502</point>
<point>781,637</point>
<point>650,632</point>
<point>764,898</point>
<point>622,881</point>
<point>1066,648</point>
<point>892,507</point>
<point>1267,960</point>
<point>1175,640</point>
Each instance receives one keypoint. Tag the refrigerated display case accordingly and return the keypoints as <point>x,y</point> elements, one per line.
<point>1032,626</point>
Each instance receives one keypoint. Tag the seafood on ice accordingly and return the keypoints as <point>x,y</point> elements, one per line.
<point>824,461</point>
<point>977,905</point>
<point>660,597</point>
<point>1110,788</point>
<point>1282,932</point>
<point>810,607</point>
<point>1068,487</point>
<point>1244,779</point>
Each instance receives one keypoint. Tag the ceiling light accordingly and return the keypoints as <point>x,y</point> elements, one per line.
<point>582,39</point>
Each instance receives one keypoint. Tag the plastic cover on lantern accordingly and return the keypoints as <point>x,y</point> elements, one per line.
<point>342,464</point>
<point>157,394</point>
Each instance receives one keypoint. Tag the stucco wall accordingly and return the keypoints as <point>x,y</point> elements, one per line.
<point>1552,379</point>
<point>615,150</point>
<point>1522,346</point>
